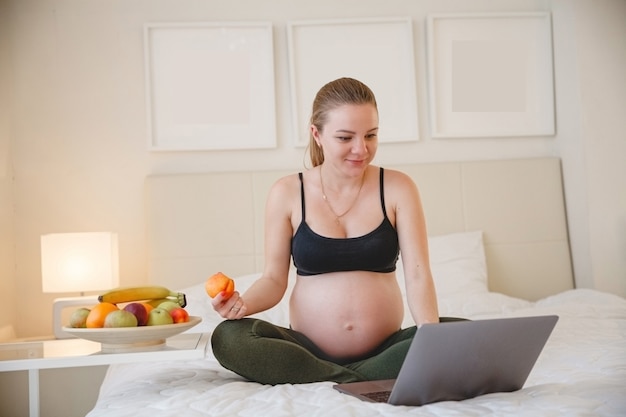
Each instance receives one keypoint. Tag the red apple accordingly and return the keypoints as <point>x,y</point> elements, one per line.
<point>179,315</point>
<point>139,310</point>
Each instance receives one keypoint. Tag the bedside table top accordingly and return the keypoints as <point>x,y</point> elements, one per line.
<point>67,353</point>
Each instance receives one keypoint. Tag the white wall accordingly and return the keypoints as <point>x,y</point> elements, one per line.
<point>590,60</point>
<point>7,258</point>
<point>78,128</point>
<point>601,39</point>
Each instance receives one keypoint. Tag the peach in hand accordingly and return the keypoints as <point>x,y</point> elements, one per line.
<point>218,283</point>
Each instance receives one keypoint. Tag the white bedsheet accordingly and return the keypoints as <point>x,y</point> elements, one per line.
<point>581,372</point>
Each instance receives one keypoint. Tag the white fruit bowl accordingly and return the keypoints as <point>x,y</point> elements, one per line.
<point>125,339</point>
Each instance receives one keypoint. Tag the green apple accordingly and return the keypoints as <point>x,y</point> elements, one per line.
<point>120,318</point>
<point>78,319</point>
<point>159,316</point>
<point>169,305</point>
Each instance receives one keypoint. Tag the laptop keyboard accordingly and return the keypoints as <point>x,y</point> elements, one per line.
<point>378,396</point>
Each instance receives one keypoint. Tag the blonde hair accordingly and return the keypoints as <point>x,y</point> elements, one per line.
<point>332,95</point>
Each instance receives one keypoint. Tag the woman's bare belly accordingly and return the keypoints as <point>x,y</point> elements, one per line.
<point>347,314</point>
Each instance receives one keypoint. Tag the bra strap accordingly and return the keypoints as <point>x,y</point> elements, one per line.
<point>382,192</point>
<point>302,194</point>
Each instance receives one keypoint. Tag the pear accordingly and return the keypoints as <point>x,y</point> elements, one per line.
<point>78,319</point>
<point>120,318</point>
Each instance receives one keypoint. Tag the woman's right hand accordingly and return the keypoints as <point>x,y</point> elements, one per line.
<point>231,308</point>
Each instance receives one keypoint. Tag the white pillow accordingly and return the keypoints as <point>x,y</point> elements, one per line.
<point>457,262</point>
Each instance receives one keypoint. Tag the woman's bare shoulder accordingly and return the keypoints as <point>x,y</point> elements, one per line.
<point>286,182</point>
<point>398,179</point>
<point>285,187</point>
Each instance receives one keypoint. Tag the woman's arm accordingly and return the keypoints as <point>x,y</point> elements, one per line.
<point>269,289</point>
<point>413,238</point>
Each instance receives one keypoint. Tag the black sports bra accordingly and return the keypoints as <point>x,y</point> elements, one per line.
<point>376,251</point>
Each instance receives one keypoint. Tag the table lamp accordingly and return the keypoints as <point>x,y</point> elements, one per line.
<point>77,262</point>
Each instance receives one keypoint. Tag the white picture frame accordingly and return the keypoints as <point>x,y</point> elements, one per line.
<point>209,86</point>
<point>490,75</point>
<point>378,52</point>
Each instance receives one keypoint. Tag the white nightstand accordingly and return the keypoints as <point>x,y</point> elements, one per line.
<point>68,353</point>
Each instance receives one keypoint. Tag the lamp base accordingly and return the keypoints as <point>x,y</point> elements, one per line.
<point>62,303</point>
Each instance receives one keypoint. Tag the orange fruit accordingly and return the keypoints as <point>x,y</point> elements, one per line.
<point>217,283</point>
<point>98,313</point>
<point>148,307</point>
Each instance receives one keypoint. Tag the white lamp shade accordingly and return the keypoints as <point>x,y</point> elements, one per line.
<point>79,262</point>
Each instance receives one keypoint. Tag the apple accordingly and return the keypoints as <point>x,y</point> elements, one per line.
<point>179,315</point>
<point>140,311</point>
<point>169,305</point>
<point>78,319</point>
<point>120,318</point>
<point>159,316</point>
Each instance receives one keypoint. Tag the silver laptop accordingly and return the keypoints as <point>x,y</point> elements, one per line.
<point>460,360</point>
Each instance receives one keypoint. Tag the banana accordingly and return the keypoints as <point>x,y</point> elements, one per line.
<point>128,294</point>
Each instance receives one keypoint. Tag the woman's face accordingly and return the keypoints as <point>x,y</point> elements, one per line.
<point>349,139</point>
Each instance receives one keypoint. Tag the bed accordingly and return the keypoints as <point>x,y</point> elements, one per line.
<point>499,248</point>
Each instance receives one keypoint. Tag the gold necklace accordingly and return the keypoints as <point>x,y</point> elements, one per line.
<point>339,216</point>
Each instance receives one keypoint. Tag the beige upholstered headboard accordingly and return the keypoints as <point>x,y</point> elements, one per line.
<point>199,224</point>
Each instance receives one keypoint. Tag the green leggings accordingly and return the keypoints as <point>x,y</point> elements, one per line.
<point>270,354</point>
